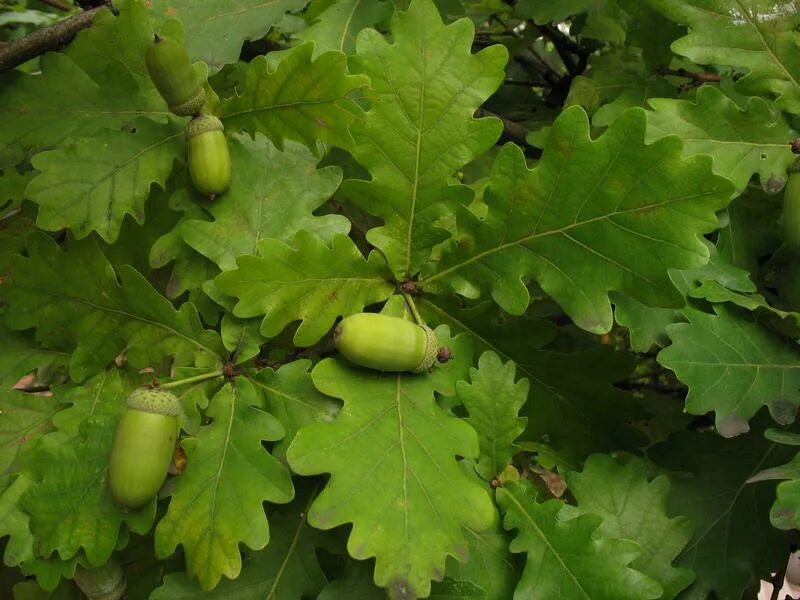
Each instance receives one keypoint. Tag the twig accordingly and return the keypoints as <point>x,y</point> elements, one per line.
<point>512,132</point>
<point>57,4</point>
<point>559,41</point>
<point>46,39</point>
<point>698,77</point>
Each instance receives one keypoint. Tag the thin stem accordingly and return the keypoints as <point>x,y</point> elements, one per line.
<point>46,39</point>
<point>188,380</point>
<point>413,307</point>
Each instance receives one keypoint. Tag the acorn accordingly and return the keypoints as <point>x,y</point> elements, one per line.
<point>387,343</point>
<point>173,75</point>
<point>144,445</point>
<point>209,158</point>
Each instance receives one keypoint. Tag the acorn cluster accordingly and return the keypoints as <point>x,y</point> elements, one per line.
<point>184,91</point>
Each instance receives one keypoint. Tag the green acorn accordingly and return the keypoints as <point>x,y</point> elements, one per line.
<point>791,212</point>
<point>143,446</point>
<point>388,343</point>
<point>103,583</point>
<point>209,159</point>
<point>174,77</point>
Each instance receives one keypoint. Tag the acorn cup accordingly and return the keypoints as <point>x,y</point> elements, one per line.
<point>143,448</point>
<point>209,158</point>
<point>387,343</point>
<point>173,75</point>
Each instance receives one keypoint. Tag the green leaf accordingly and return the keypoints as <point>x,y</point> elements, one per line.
<point>297,99</point>
<point>216,29</point>
<point>20,354</point>
<point>733,367</point>
<point>355,583</point>
<point>15,522</point>
<point>594,216</point>
<point>74,297</point>
<point>752,230</point>
<point>573,405</point>
<point>565,559</point>
<point>493,400</point>
<point>311,283</point>
<point>709,486</point>
<point>287,569</point>
<point>634,507</point>
<point>338,25</point>
<point>758,37</point>
<point>42,111</point>
<point>419,129</point>
<point>291,397</point>
<point>604,20</point>
<point>616,80</point>
<point>217,502</point>
<point>742,142</point>
<point>92,183</point>
<point>84,515</point>
<point>25,418</point>
<point>648,325</point>
<point>491,568</point>
<point>391,455</point>
<point>273,195</point>
<point>99,52</point>
<point>713,291</point>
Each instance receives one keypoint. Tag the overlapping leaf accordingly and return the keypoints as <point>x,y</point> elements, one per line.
<point>92,183</point>
<point>25,418</point>
<point>565,559</point>
<point>287,569</point>
<point>41,111</point>
<point>616,81</point>
<point>20,354</point>
<point>75,300</point>
<point>216,29</point>
<point>338,25</point>
<point>758,36</point>
<point>292,399</point>
<point>391,455</point>
<point>734,367</point>
<point>730,516</point>
<point>297,99</point>
<point>85,515</point>
<point>742,142</point>
<point>493,399</point>
<point>217,503</point>
<point>491,569</point>
<point>419,130</point>
<point>594,216</point>
<point>273,195</point>
<point>633,507</point>
<point>648,325</point>
<point>573,405</point>
<point>310,282</point>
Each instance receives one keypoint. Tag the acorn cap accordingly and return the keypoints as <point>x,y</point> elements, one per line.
<point>192,106</point>
<point>431,352</point>
<point>203,124</point>
<point>155,401</point>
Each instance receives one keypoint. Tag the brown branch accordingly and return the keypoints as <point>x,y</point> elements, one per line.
<point>698,77</point>
<point>46,39</point>
<point>512,132</point>
<point>57,4</point>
